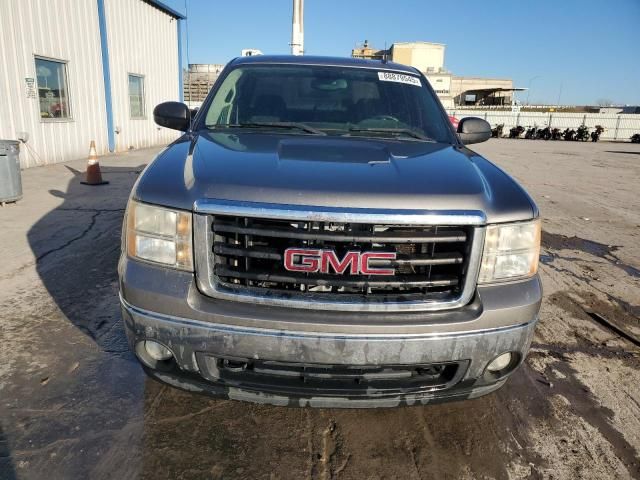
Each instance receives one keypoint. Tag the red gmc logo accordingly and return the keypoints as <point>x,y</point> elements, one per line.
<point>313,260</point>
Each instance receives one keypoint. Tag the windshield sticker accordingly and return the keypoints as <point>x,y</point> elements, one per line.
<point>399,78</point>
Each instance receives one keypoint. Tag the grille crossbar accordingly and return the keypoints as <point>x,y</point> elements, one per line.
<point>272,254</point>
<point>332,280</point>
<point>397,237</point>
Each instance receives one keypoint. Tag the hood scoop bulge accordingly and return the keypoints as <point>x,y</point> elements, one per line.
<point>339,150</point>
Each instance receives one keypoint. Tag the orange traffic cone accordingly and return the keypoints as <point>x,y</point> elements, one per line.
<point>94,176</point>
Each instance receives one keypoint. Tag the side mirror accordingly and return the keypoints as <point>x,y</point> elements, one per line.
<point>174,115</point>
<point>474,130</point>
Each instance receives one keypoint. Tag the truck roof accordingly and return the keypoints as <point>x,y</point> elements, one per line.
<point>321,60</point>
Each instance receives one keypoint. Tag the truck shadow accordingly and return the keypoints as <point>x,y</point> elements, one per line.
<point>84,423</point>
<point>7,470</point>
<point>77,245</point>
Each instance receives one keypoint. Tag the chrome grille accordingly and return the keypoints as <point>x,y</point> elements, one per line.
<point>435,265</point>
<point>249,253</point>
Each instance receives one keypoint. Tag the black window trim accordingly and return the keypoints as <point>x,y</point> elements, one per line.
<point>47,58</point>
<point>144,96</point>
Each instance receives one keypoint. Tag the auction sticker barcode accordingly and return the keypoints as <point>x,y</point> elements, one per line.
<point>399,78</point>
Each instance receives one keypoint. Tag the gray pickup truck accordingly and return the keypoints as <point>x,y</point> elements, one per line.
<point>321,236</point>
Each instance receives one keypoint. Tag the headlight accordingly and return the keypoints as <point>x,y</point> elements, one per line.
<point>159,235</point>
<point>511,251</point>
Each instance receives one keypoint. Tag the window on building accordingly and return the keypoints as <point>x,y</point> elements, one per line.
<point>53,90</point>
<point>136,96</point>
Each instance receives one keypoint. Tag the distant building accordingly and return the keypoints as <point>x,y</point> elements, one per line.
<point>250,52</point>
<point>198,80</point>
<point>366,52</point>
<point>617,110</point>
<point>429,58</point>
<point>76,71</point>
<point>200,77</point>
<point>425,56</point>
<point>482,91</point>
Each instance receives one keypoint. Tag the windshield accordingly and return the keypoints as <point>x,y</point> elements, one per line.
<point>327,100</point>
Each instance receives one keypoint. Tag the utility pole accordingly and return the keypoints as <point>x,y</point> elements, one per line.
<point>297,28</point>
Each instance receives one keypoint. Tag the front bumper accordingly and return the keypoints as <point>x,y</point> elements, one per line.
<point>166,306</point>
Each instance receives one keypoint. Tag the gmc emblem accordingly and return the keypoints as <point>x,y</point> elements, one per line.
<point>311,260</point>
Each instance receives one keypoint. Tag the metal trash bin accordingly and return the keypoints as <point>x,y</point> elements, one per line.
<point>10,177</point>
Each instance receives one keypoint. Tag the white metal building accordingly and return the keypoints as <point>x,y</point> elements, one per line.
<point>72,71</point>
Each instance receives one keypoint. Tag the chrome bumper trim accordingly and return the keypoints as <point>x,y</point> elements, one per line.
<point>293,334</point>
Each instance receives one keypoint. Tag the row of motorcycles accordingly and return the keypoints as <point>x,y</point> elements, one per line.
<point>534,133</point>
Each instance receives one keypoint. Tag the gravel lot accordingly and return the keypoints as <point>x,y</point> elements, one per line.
<point>75,404</point>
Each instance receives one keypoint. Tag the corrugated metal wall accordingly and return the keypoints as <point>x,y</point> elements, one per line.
<point>65,30</point>
<point>143,40</point>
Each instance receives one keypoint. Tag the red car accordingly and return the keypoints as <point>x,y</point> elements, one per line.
<point>454,121</point>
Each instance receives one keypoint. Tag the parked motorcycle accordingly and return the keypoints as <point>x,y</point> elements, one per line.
<point>635,138</point>
<point>595,135</point>
<point>531,133</point>
<point>582,135</point>
<point>544,134</point>
<point>515,132</point>
<point>569,134</point>
<point>497,131</point>
<point>556,134</point>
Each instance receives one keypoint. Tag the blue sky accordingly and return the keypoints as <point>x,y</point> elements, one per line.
<point>590,48</point>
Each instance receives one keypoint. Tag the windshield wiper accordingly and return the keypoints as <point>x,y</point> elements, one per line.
<point>394,131</point>
<point>284,125</point>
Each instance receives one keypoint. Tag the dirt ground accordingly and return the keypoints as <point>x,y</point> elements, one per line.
<point>74,403</point>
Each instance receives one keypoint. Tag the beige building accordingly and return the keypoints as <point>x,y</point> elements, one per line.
<point>367,52</point>
<point>425,56</point>
<point>429,59</point>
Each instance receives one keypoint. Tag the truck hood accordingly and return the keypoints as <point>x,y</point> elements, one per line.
<point>333,172</point>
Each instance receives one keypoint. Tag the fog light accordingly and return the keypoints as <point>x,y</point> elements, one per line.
<point>500,362</point>
<point>156,351</point>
